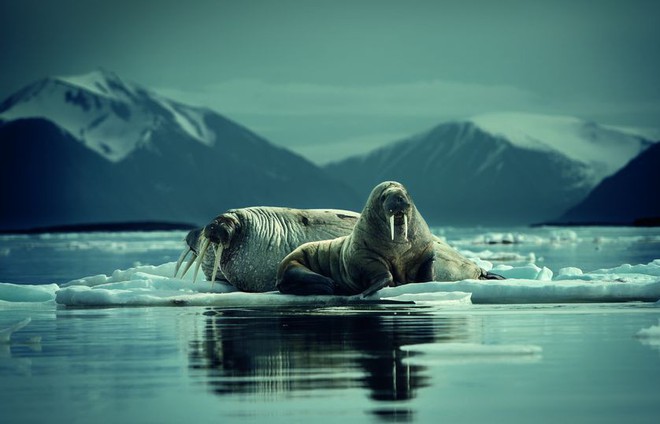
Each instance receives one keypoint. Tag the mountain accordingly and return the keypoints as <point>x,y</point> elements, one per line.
<point>630,196</point>
<point>497,169</point>
<point>96,149</point>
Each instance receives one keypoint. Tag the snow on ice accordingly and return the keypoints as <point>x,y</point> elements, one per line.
<point>150,285</point>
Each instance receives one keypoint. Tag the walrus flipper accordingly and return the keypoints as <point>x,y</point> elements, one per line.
<point>383,282</point>
<point>486,275</point>
<point>300,280</point>
<point>425,273</point>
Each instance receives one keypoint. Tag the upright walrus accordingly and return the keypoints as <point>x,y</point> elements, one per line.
<point>390,245</point>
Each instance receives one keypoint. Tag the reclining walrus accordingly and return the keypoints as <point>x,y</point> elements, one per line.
<point>251,242</point>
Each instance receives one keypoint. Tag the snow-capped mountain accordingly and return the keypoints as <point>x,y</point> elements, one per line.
<point>94,148</point>
<point>630,196</point>
<point>604,149</point>
<point>497,169</point>
<point>106,114</point>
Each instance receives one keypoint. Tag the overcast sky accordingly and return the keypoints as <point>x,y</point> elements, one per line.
<point>328,78</point>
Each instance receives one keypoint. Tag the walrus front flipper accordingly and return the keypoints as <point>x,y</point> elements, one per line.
<point>425,273</point>
<point>384,282</point>
<point>300,280</point>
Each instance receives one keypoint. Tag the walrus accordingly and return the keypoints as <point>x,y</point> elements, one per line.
<point>390,245</point>
<point>245,246</point>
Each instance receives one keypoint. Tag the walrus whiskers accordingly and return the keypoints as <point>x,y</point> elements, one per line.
<point>200,258</point>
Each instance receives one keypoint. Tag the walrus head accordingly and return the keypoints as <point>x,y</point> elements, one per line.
<point>222,229</point>
<point>220,232</point>
<point>396,206</point>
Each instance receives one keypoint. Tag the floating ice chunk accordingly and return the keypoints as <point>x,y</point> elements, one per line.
<point>5,334</point>
<point>563,236</point>
<point>518,238</point>
<point>455,352</point>
<point>545,274</point>
<point>652,332</point>
<point>489,255</point>
<point>641,273</point>
<point>119,275</point>
<point>499,238</point>
<point>18,293</point>
<point>545,291</point>
<point>652,268</point>
<point>568,272</point>
<point>650,336</point>
<point>427,294</point>
<point>528,272</point>
<point>483,264</point>
<point>472,349</point>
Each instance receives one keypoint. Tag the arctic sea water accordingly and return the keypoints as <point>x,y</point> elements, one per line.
<point>104,348</point>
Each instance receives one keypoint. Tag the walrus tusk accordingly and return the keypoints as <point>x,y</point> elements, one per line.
<point>392,226</point>
<point>182,258</point>
<point>200,258</point>
<point>405,226</point>
<point>189,264</point>
<point>216,263</point>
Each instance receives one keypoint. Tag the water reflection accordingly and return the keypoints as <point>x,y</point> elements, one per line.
<point>301,353</point>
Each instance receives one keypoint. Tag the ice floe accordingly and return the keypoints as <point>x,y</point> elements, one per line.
<point>149,285</point>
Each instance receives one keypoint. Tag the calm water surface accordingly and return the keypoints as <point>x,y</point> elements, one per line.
<point>203,365</point>
<point>58,258</point>
<point>326,365</point>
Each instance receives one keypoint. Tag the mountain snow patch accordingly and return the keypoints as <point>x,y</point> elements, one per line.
<point>106,114</point>
<point>605,147</point>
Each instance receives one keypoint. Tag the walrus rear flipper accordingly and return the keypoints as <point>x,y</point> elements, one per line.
<point>485,275</point>
<point>300,280</point>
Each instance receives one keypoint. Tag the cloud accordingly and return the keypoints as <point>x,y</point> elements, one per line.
<point>330,152</point>
<point>424,98</point>
<point>327,122</point>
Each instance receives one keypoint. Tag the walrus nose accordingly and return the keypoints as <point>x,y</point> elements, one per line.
<point>397,204</point>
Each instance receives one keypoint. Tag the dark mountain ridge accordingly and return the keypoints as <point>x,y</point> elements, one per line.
<point>629,197</point>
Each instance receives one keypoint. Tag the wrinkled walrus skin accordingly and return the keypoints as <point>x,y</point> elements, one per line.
<point>390,245</point>
<point>252,242</point>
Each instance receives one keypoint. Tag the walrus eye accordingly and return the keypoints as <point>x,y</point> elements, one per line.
<point>221,230</point>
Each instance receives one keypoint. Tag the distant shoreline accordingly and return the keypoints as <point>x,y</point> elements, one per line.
<point>113,227</point>
<point>105,227</point>
<point>640,222</point>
